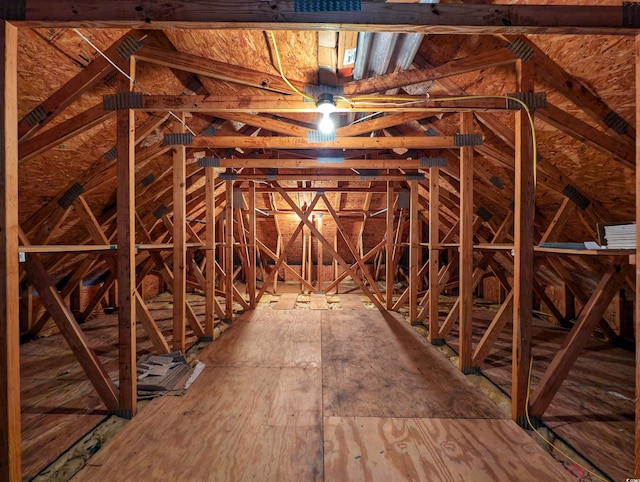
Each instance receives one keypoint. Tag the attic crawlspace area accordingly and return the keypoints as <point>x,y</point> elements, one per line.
<point>384,241</point>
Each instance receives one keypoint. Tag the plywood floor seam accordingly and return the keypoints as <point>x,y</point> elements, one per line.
<point>323,395</point>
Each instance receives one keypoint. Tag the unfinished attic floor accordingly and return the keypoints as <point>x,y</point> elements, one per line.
<point>293,395</point>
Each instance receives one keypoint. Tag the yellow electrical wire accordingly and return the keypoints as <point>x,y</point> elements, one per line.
<point>277,55</point>
<point>526,411</point>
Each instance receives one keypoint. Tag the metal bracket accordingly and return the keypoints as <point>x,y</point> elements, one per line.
<point>630,14</point>
<point>129,47</point>
<point>616,123</point>
<point>314,91</point>
<point>367,173</point>
<point>533,100</point>
<point>160,211</point>
<point>434,162</point>
<point>70,195</point>
<point>272,173</point>
<point>576,196</point>
<point>317,136</point>
<point>327,5</point>
<point>36,116</point>
<point>111,154</point>
<point>462,140</point>
<point>228,176</point>
<point>521,49</point>
<point>13,10</point>
<point>497,182</point>
<point>414,176</point>
<point>209,162</point>
<point>484,213</point>
<point>178,139</point>
<point>122,101</point>
<point>148,180</point>
<point>209,131</point>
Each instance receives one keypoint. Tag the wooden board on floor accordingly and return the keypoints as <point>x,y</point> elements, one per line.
<point>232,424</point>
<point>287,301</point>
<point>351,302</point>
<point>433,449</point>
<point>269,338</point>
<point>318,301</point>
<point>376,365</point>
<point>593,409</point>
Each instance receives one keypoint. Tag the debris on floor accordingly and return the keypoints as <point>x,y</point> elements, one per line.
<point>169,373</point>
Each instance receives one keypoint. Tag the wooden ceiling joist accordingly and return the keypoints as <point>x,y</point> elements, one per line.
<point>373,16</point>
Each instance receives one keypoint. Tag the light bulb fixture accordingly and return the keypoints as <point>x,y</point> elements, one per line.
<point>326,105</point>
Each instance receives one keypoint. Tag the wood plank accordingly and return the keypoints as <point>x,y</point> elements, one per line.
<point>351,302</point>
<point>150,326</point>
<point>210,254</point>
<point>434,255</point>
<point>576,339</point>
<point>216,70</point>
<point>287,301</point>
<point>524,212</point>
<point>483,60</point>
<point>251,248</point>
<point>374,16</point>
<point>415,261</point>
<point>228,251</point>
<point>466,248</point>
<point>399,449</point>
<point>637,256</point>
<point>357,382</point>
<point>126,237</point>
<point>318,301</point>
<point>10,453</point>
<point>179,247</point>
<point>389,272</point>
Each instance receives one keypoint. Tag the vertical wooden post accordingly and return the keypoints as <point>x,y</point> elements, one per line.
<point>228,252</point>
<point>320,255</point>
<point>637,323</point>
<point>75,298</point>
<point>10,455</point>
<point>466,247</point>
<point>523,247</point>
<point>251,281</point>
<point>414,250</point>
<point>126,255</point>
<point>210,253</point>
<point>389,274</point>
<point>434,255</point>
<point>179,245</point>
<point>569,303</point>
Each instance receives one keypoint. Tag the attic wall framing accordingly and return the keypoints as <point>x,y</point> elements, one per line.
<point>10,411</point>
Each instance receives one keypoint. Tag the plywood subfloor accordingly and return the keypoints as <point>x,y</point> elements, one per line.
<point>58,404</point>
<point>593,409</point>
<point>263,409</point>
<point>318,301</point>
<point>287,301</point>
<point>351,302</point>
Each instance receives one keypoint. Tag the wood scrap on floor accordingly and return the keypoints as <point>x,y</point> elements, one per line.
<point>163,374</point>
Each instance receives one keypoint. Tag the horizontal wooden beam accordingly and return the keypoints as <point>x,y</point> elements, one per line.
<point>326,164</point>
<point>264,142</point>
<point>373,16</point>
<point>305,176</point>
<point>295,103</point>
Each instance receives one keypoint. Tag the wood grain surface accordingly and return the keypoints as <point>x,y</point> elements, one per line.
<point>287,301</point>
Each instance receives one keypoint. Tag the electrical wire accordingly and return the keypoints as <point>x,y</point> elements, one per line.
<point>526,411</point>
<point>131,79</point>
<point>277,56</point>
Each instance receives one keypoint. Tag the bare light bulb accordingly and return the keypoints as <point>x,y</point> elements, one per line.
<point>326,124</point>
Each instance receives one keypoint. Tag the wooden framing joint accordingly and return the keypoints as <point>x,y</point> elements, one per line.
<point>122,101</point>
<point>209,162</point>
<point>631,14</point>
<point>127,414</point>
<point>178,139</point>
<point>533,100</point>
<point>70,195</point>
<point>463,140</point>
